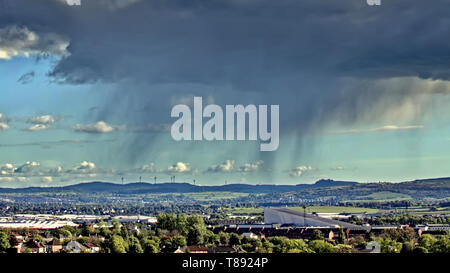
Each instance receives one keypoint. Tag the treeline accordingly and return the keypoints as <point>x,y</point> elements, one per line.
<point>403,219</point>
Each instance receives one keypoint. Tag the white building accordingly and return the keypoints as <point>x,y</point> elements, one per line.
<point>285,216</point>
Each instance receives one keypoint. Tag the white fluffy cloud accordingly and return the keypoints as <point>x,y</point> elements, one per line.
<point>86,165</point>
<point>45,119</point>
<point>96,128</point>
<point>226,166</point>
<point>21,41</point>
<point>300,170</point>
<point>179,167</point>
<point>150,167</point>
<point>251,167</point>
<point>4,126</point>
<point>6,169</point>
<point>46,179</point>
<point>38,127</point>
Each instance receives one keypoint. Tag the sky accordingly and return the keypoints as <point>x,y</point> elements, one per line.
<point>86,91</point>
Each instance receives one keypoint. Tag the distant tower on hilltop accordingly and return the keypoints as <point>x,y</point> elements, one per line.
<point>122,180</point>
<point>155,179</point>
<point>194,181</point>
<point>140,179</point>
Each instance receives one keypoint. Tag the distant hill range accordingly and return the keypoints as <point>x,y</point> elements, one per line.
<point>181,187</point>
<point>436,189</point>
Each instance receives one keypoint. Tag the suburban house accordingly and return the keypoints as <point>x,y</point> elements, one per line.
<point>92,248</point>
<point>223,249</point>
<point>54,246</point>
<point>33,247</point>
<point>75,247</point>
<point>192,249</point>
<point>250,235</point>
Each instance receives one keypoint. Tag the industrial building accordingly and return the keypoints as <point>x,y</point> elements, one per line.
<point>285,216</point>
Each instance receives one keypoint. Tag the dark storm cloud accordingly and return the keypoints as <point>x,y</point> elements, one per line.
<point>241,43</point>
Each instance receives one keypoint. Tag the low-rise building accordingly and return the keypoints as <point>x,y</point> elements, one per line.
<point>74,247</point>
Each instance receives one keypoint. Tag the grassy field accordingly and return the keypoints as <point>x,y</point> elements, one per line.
<point>382,196</point>
<point>247,211</point>
<point>211,196</point>
<point>199,196</point>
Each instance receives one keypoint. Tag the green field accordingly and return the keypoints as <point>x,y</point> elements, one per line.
<point>211,196</point>
<point>200,196</point>
<point>381,196</point>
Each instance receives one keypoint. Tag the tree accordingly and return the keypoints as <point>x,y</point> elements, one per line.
<point>320,246</point>
<point>105,232</point>
<point>341,237</point>
<point>427,241</point>
<point>116,226</point>
<point>182,224</point>
<point>212,238</point>
<point>4,241</point>
<point>441,245</point>
<point>408,247</point>
<point>134,245</point>
<point>86,230</point>
<point>149,245</point>
<point>235,239</point>
<point>358,242</point>
<point>278,243</point>
<point>224,238</point>
<point>390,246</point>
<point>317,235</point>
<point>117,244</point>
<point>267,247</point>
<point>167,221</point>
<point>295,246</point>
<point>340,248</point>
<point>178,241</point>
<point>196,230</point>
<point>65,233</point>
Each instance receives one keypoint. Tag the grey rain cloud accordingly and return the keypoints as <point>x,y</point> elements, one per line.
<point>319,60</point>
